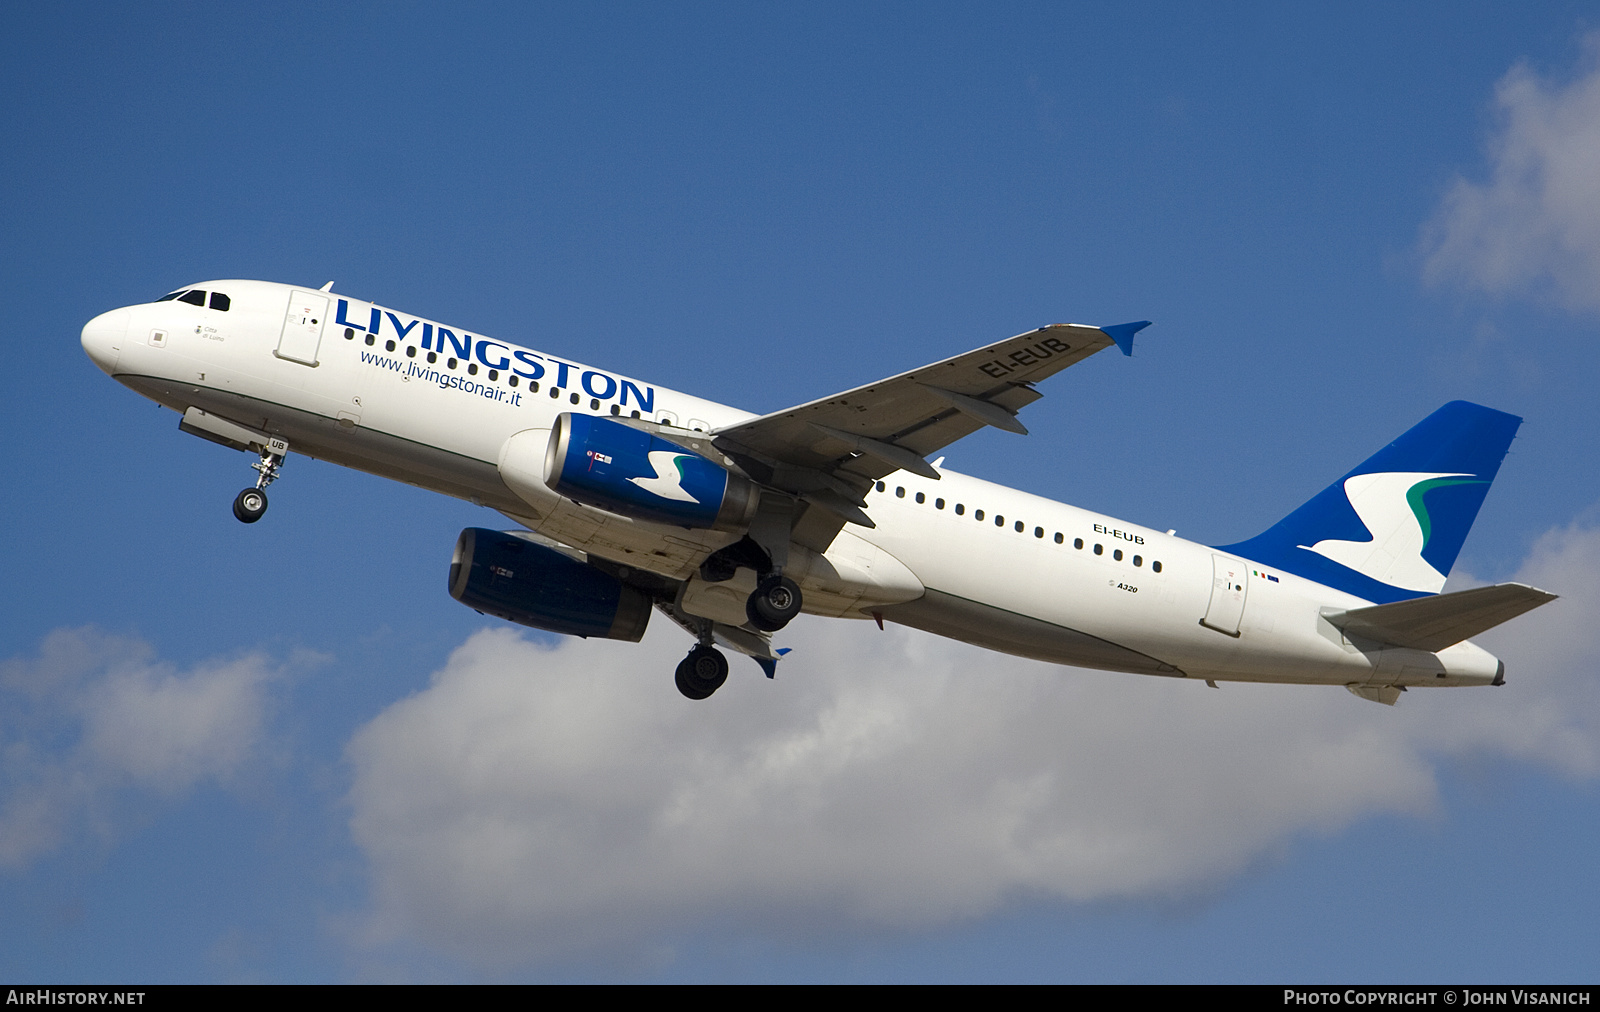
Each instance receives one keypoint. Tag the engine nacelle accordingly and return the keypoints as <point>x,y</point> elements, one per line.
<point>637,474</point>
<point>526,583</point>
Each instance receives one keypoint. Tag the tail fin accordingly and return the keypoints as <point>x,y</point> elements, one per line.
<point>1392,528</point>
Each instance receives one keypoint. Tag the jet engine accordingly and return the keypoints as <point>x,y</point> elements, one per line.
<point>638,474</point>
<point>529,584</point>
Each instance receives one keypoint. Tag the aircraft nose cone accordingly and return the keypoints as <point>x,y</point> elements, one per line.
<point>103,337</point>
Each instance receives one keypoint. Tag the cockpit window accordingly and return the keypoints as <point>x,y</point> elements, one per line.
<point>220,301</point>
<point>169,296</point>
<point>194,298</point>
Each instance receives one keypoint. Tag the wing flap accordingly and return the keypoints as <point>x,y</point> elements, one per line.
<point>1441,620</point>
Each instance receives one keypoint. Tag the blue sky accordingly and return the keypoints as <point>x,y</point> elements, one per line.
<point>236,753</point>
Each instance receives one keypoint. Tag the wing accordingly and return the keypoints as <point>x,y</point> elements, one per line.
<point>830,451</point>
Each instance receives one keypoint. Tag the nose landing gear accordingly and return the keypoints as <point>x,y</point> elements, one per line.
<point>250,504</point>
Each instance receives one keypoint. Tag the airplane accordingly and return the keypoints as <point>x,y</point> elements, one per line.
<point>632,499</point>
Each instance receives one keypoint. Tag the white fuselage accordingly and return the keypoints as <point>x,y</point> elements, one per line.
<point>468,416</point>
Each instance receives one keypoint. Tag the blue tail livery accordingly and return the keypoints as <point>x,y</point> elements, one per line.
<point>1392,528</point>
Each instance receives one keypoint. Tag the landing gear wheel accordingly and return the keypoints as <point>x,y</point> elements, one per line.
<point>702,672</point>
<point>776,600</point>
<point>249,505</point>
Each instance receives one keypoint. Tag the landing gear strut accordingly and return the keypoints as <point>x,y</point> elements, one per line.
<point>250,504</point>
<point>764,549</point>
<point>702,672</point>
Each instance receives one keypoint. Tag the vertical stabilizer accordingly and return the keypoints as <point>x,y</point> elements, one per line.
<point>1392,528</point>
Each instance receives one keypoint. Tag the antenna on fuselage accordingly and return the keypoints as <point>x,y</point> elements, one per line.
<point>326,288</point>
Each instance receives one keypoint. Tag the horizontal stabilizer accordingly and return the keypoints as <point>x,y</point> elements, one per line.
<point>1443,620</point>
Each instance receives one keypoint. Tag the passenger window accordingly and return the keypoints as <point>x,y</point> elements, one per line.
<point>494,374</point>
<point>1020,526</point>
<point>977,514</point>
<point>616,409</point>
<point>576,398</point>
<point>433,357</point>
<point>960,509</point>
<point>1117,555</point>
<point>1059,538</point>
<point>388,346</point>
<point>999,521</point>
<point>1155,567</point>
<point>194,298</point>
<point>938,504</point>
<point>512,379</point>
<point>450,363</point>
<point>1098,550</point>
<point>921,498</point>
<point>472,368</point>
<point>881,486</point>
<point>899,491</point>
<point>1038,532</point>
<point>349,334</point>
<point>1138,560</point>
<point>411,351</point>
<point>1077,543</point>
<point>370,339</point>
<point>220,302</point>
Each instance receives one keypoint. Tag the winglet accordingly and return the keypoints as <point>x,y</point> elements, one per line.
<point>770,664</point>
<point>1122,333</point>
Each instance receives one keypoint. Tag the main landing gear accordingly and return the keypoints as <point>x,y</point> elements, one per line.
<point>776,599</point>
<point>773,603</point>
<point>249,505</point>
<point>702,672</point>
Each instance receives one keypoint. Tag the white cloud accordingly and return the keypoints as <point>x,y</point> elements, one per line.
<point>1534,225</point>
<point>539,802</point>
<point>168,731</point>
<point>94,718</point>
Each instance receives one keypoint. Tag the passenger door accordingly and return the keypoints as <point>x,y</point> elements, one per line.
<point>302,328</point>
<point>1228,589</point>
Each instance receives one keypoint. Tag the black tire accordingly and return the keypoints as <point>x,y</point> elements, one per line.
<point>702,672</point>
<point>776,600</point>
<point>249,505</point>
